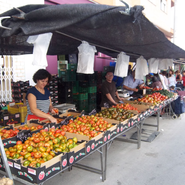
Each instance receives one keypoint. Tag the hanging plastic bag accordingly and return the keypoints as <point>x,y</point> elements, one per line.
<point>121,68</point>
<point>41,43</point>
<point>165,63</point>
<point>153,65</point>
<point>141,68</point>
<point>86,58</point>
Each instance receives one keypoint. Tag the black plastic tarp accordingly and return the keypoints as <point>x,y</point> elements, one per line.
<point>106,27</point>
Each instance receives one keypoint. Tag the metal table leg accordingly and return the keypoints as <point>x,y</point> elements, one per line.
<point>105,168</point>
<point>5,162</point>
<point>139,128</point>
<point>158,115</point>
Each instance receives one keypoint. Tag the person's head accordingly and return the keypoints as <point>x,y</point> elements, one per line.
<point>172,88</point>
<point>129,67</point>
<point>109,76</point>
<point>164,73</point>
<point>42,77</point>
<point>177,72</point>
<point>171,72</point>
<point>183,73</point>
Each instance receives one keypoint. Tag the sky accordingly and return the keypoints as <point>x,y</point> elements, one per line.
<point>179,34</point>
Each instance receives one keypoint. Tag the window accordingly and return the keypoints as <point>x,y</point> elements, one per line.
<point>164,5</point>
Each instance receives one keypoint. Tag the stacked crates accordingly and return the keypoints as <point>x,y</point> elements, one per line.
<point>18,90</point>
<point>53,89</point>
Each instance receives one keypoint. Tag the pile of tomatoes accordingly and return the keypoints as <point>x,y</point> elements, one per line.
<point>32,128</point>
<point>126,106</point>
<point>41,147</point>
<point>154,98</point>
<point>5,134</point>
<point>90,126</point>
<point>157,89</point>
<point>145,87</point>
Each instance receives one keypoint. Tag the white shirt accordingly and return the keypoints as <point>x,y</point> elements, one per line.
<point>172,81</point>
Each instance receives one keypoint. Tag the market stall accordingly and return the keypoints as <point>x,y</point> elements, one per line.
<point>89,23</point>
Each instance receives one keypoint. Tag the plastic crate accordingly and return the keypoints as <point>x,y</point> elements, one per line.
<point>68,75</point>
<point>83,84</point>
<point>92,100</point>
<point>80,96</point>
<point>18,108</point>
<point>92,83</point>
<point>92,89</point>
<point>91,95</point>
<point>113,64</point>
<point>90,107</point>
<point>80,77</point>
<point>72,66</point>
<point>83,90</point>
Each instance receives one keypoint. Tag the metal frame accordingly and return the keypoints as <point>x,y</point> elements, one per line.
<point>101,149</point>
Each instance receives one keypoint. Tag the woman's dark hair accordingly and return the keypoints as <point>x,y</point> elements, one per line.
<point>171,71</point>
<point>41,74</point>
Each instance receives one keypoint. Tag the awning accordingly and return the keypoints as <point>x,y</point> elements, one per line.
<point>109,28</point>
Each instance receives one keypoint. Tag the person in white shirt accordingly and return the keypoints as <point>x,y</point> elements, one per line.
<point>171,79</point>
<point>164,73</point>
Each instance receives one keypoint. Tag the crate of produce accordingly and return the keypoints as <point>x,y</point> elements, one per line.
<point>91,95</point>
<point>92,83</point>
<point>83,83</point>
<point>80,76</point>
<point>92,100</point>
<point>92,89</point>
<point>83,89</point>
<point>14,108</point>
<point>80,96</point>
<point>68,75</point>
<point>72,66</point>
<point>90,107</point>
<point>90,77</point>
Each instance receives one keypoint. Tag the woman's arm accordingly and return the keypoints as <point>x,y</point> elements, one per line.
<point>37,112</point>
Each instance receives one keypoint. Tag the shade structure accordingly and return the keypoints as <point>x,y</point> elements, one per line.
<point>111,29</point>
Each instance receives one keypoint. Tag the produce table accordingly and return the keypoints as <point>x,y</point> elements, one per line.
<point>103,148</point>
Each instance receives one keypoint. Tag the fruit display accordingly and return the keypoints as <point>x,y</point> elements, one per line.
<point>166,93</point>
<point>154,98</point>
<point>32,128</point>
<point>90,126</point>
<point>126,106</point>
<point>145,87</point>
<point>41,147</point>
<point>58,120</point>
<point>5,133</point>
<point>116,113</point>
<point>157,89</point>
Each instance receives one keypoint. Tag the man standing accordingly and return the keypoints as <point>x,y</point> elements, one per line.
<point>109,91</point>
<point>130,83</point>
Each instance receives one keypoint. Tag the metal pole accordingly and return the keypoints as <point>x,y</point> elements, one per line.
<point>158,114</point>
<point>5,161</point>
<point>101,159</point>
<point>105,169</point>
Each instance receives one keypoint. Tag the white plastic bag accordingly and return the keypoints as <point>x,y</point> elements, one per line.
<point>86,58</point>
<point>121,68</point>
<point>165,63</point>
<point>41,43</point>
<point>153,65</point>
<point>141,68</point>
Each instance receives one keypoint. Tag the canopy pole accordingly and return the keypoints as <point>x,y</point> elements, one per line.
<point>95,44</point>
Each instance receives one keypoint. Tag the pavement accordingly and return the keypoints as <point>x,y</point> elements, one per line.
<point>160,162</point>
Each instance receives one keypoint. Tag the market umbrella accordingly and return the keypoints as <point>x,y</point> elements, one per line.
<point>111,29</point>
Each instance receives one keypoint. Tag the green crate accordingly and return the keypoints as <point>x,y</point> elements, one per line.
<point>92,100</point>
<point>72,66</point>
<point>91,95</point>
<point>68,75</point>
<point>80,96</point>
<point>83,89</point>
<point>92,89</point>
<point>90,107</point>
<point>75,89</point>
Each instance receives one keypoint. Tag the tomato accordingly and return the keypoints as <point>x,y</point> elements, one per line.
<point>39,126</point>
<point>52,153</point>
<point>18,142</point>
<point>36,140</point>
<point>42,149</point>
<point>37,155</point>
<point>29,149</point>
<point>38,165</point>
<point>27,155</point>
<point>49,157</point>
<point>26,163</point>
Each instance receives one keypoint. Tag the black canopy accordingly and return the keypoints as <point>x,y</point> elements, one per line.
<point>109,28</point>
